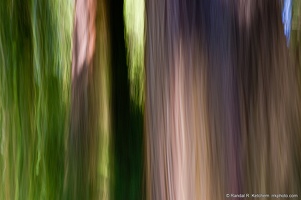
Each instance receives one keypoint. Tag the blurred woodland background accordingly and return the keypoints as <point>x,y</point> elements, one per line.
<point>149,99</point>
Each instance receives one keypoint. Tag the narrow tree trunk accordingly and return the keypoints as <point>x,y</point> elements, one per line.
<point>84,135</point>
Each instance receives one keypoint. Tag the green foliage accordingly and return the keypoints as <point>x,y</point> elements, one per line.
<point>35,60</point>
<point>134,16</point>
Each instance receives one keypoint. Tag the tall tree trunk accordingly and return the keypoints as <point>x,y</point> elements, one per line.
<point>85,127</point>
<point>219,110</point>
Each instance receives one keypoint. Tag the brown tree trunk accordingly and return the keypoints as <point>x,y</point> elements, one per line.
<point>221,96</point>
<point>89,100</point>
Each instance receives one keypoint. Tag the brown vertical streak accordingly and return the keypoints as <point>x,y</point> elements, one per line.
<point>83,151</point>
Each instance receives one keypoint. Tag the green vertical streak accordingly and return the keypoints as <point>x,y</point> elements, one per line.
<point>134,17</point>
<point>127,103</point>
<point>35,58</point>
